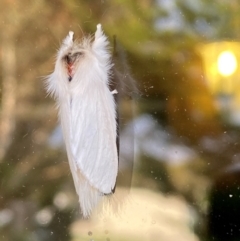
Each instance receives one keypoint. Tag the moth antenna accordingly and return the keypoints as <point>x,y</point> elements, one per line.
<point>81,29</point>
<point>114,45</point>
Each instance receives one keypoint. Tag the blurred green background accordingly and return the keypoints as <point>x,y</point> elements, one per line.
<point>184,56</point>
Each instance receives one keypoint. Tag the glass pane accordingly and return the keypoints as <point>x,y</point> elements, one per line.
<point>176,71</point>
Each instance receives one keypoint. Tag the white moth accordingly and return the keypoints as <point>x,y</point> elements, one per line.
<point>80,85</point>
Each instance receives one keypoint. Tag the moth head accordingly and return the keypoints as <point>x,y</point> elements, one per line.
<point>71,60</point>
<point>80,57</point>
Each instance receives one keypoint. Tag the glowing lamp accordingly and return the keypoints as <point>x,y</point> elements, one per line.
<point>226,63</point>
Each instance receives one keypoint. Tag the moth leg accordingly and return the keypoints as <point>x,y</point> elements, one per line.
<point>69,39</point>
<point>114,92</point>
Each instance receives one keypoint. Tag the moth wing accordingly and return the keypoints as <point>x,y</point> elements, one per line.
<point>93,136</point>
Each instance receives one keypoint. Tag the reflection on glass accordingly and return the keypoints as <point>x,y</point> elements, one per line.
<point>222,72</point>
<point>227,63</point>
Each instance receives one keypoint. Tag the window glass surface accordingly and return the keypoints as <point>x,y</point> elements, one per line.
<point>176,68</point>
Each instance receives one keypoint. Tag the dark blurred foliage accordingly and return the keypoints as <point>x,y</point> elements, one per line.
<point>170,76</point>
<point>224,208</point>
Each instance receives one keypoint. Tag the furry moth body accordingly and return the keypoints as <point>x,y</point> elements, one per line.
<point>80,85</point>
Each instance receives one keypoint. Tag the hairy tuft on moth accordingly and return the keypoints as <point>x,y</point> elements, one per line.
<point>87,112</point>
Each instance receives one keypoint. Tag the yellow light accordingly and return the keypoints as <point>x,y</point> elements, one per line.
<point>227,63</point>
